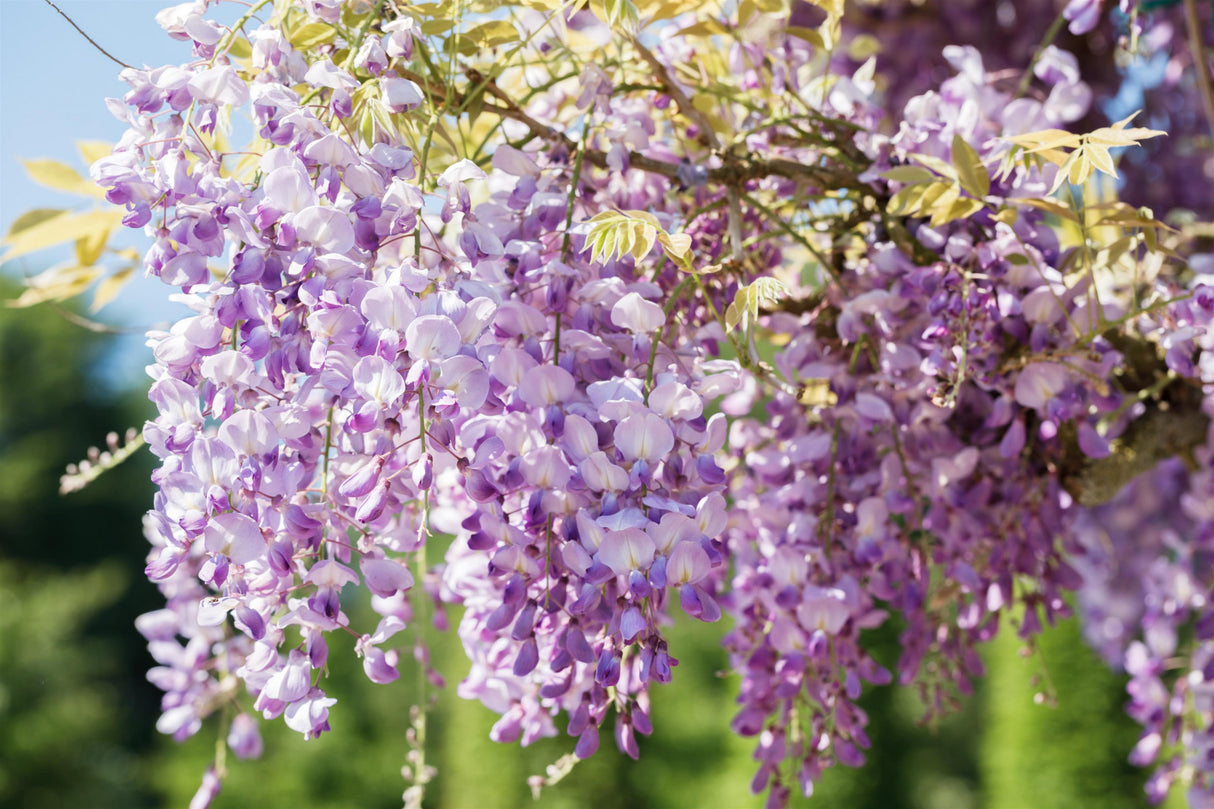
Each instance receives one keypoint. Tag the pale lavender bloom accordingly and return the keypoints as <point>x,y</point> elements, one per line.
<point>431,338</point>
<point>327,228</point>
<point>600,474</point>
<point>546,385</point>
<point>644,436</point>
<point>249,433</point>
<point>376,380</point>
<point>236,536</point>
<point>636,314</point>
<point>546,468</point>
<point>688,564</point>
<point>327,74</point>
<point>1083,15</point>
<point>466,379</point>
<point>208,791</point>
<point>400,94</point>
<point>823,608</point>
<point>220,85</point>
<point>386,577</point>
<point>626,550</point>
<point>309,716</point>
<point>244,739</point>
<point>1038,383</point>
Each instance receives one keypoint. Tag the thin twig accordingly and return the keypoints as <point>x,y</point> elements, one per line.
<point>92,41</point>
<point>1201,65</point>
<point>91,325</point>
<point>735,171</point>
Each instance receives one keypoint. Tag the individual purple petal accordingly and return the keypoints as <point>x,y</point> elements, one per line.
<point>376,380</point>
<point>823,609</point>
<point>244,739</point>
<point>600,474</point>
<point>546,385</point>
<point>636,314</point>
<point>292,682</point>
<point>249,433</point>
<point>432,337</point>
<point>380,666</point>
<point>1039,383</point>
<point>587,743</point>
<point>208,790</point>
<point>632,623</point>
<point>1092,443</point>
<point>236,536</point>
<point>309,716</point>
<point>546,468</point>
<point>626,550</point>
<point>644,436</point>
<point>330,574</point>
<point>688,563</point>
<point>467,380</point>
<point>327,228</point>
<point>386,577</point>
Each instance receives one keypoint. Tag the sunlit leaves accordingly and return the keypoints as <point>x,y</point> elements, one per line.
<point>311,35</point>
<point>619,14</point>
<point>934,189</point>
<point>971,173</point>
<point>61,177</point>
<point>1077,156</point>
<point>940,200</point>
<point>65,226</point>
<point>615,234</point>
<point>744,309</point>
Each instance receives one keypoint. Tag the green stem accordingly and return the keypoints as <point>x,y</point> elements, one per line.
<point>1050,35</point>
<point>653,346</point>
<point>361,34</point>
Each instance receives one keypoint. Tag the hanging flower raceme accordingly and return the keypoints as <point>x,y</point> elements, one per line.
<point>641,352</point>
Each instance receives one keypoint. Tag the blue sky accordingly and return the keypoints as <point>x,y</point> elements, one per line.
<point>53,86</point>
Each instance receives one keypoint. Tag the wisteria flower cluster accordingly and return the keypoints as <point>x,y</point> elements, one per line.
<point>649,308</point>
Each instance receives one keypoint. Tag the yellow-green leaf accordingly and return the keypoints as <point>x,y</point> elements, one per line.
<point>970,170</point>
<point>935,193</point>
<point>90,247</point>
<point>1081,167</point>
<point>750,299</point>
<point>1047,139</point>
<point>941,167</point>
<point>677,246</point>
<point>620,14</point>
<point>942,206</point>
<point>1099,155</point>
<point>110,286</point>
<point>909,174</point>
<point>668,9</point>
<point>493,33</point>
<point>960,209</point>
<point>60,176</point>
<point>57,284</point>
<point>66,227</point>
<point>93,150</point>
<point>907,200</point>
<point>1118,135</point>
<point>309,35</point>
<point>240,48</point>
<point>1050,206</point>
<point>33,217</point>
<point>808,34</point>
<point>614,234</point>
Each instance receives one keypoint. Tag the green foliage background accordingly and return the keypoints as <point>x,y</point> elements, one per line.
<point>77,715</point>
